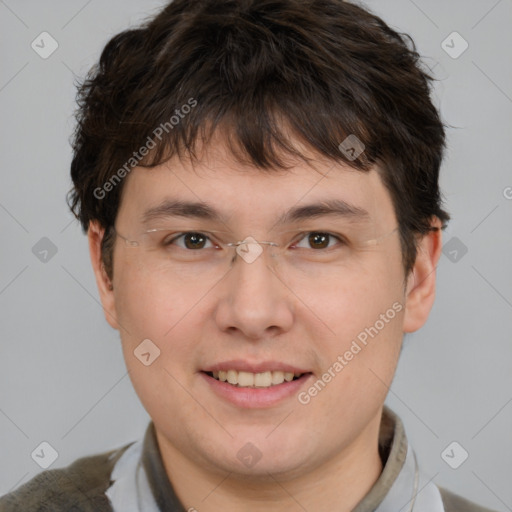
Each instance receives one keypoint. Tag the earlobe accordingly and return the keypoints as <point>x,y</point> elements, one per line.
<point>95,235</point>
<point>421,284</point>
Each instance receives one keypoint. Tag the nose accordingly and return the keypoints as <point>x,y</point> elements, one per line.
<point>253,300</point>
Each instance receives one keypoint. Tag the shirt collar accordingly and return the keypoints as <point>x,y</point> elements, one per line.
<point>141,483</point>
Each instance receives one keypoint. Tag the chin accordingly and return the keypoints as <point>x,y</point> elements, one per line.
<point>256,458</point>
<point>265,470</point>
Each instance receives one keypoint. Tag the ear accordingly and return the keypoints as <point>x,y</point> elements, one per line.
<point>95,235</point>
<point>421,284</point>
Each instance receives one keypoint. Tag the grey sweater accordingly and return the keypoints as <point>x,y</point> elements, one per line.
<point>81,486</point>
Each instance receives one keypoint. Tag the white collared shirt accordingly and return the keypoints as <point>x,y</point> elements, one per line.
<point>408,491</point>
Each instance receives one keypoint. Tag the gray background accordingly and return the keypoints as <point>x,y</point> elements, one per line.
<point>62,375</point>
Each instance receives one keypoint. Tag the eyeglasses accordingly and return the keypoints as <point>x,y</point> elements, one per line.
<point>180,252</point>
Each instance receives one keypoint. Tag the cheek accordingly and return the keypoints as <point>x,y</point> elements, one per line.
<point>353,303</point>
<point>365,317</point>
<point>149,309</point>
<point>358,361</point>
<point>148,304</point>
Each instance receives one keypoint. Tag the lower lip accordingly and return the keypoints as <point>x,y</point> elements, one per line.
<point>256,398</point>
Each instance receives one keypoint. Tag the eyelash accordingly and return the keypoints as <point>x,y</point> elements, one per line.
<point>303,236</point>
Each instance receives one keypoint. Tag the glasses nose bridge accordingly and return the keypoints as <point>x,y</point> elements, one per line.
<point>250,249</point>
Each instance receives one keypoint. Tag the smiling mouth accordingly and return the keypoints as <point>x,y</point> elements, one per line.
<point>243,379</point>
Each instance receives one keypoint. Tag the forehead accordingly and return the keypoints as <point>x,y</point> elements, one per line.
<point>219,188</point>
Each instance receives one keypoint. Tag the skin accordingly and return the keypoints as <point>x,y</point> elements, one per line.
<point>321,456</point>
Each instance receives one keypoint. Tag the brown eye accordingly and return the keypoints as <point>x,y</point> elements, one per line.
<point>194,240</point>
<point>190,240</point>
<point>319,240</point>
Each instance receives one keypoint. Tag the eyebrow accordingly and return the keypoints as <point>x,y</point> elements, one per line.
<point>202,210</point>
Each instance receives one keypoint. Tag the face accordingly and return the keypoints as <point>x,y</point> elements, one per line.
<point>336,324</point>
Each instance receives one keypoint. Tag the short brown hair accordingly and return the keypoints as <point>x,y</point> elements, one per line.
<point>327,68</point>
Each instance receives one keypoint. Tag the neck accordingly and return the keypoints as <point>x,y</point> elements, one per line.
<point>340,483</point>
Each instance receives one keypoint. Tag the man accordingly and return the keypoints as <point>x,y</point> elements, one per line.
<point>259,184</point>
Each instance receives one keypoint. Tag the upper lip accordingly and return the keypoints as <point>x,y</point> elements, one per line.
<point>260,367</point>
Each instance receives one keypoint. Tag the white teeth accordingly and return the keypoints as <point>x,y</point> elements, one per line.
<point>232,376</point>
<point>263,380</point>
<point>277,377</point>
<point>258,380</point>
<point>245,379</point>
